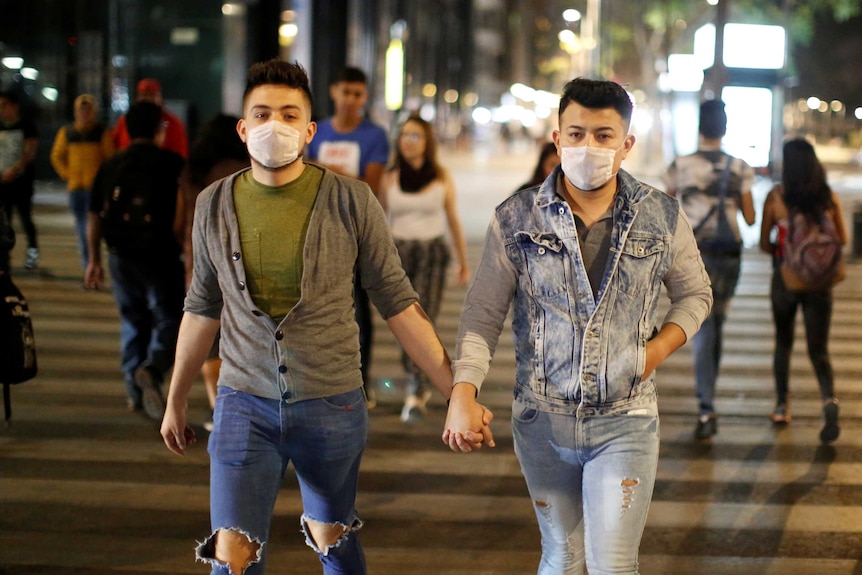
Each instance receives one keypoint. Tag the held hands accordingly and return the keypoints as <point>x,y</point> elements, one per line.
<point>467,422</point>
<point>175,431</point>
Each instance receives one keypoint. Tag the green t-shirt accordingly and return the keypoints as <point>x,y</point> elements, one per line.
<point>273,222</point>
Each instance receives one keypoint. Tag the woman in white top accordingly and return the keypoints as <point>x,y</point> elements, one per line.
<point>419,198</point>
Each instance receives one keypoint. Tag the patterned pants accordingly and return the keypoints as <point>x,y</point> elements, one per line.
<point>425,262</point>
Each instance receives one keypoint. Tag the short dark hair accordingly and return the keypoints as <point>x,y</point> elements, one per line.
<point>281,73</point>
<point>713,119</point>
<point>597,94</point>
<point>143,120</point>
<point>352,75</point>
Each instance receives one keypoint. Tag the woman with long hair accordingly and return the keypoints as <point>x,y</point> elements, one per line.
<point>549,159</point>
<point>803,191</point>
<point>419,197</point>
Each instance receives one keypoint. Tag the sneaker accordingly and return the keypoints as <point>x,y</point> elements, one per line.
<point>151,393</point>
<point>830,430</point>
<point>31,262</point>
<point>415,407</point>
<point>707,426</point>
<point>781,414</point>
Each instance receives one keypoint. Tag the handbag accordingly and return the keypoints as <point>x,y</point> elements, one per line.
<point>18,360</point>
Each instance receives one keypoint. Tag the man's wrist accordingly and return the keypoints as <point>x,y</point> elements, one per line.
<point>464,388</point>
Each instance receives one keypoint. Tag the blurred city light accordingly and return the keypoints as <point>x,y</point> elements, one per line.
<point>450,96</point>
<point>287,32</point>
<point>233,9</point>
<point>571,15</point>
<point>427,112</point>
<point>429,90</point>
<point>30,73</point>
<point>642,121</point>
<point>704,46</point>
<point>50,93</point>
<point>749,123</point>
<point>813,103</point>
<point>836,105</point>
<point>522,92</point>
<point>745,46</point>
<point>567,37</point>
<point>858,113</point>
<point>470,99</point>
<point>13,62</point>
<point>394,91</point>
<point>754,46</point>
<point>684,73</point>
<point>481,115</point>
<point>184,36</point>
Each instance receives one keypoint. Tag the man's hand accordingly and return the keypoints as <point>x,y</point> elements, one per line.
<point>94,276</point>
<point>8,175</point>
<point>467,422</point>
<point>175,431</point>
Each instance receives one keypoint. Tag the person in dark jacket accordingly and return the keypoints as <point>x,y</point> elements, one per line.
<point>133,208</point>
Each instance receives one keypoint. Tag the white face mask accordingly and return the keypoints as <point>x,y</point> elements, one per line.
<point>588,167</point>
<point>274,144</point>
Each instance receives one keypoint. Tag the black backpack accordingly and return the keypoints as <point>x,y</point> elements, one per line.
<point>129,221</point>
<point>18,359</point>
<point>712,230</point>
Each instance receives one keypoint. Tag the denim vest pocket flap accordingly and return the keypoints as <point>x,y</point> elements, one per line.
<point>545,262</point>
<point>640,247</point>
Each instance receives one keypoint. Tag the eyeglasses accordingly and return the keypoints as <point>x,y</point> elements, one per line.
<point>412,137</point>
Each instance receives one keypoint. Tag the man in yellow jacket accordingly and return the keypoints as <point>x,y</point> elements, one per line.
<point>79,149</point>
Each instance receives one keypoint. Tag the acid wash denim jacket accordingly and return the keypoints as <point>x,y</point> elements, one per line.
<point>314,350</point>
<point>577,354</point>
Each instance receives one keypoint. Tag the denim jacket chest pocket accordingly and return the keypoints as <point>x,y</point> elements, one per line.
<point>546,262</point>
<point>642,262</point>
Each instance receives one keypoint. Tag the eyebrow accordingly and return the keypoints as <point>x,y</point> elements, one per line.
<point>265,107</point>
<point>599,129</point>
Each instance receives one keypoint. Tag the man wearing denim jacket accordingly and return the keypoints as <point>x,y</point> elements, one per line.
<point>583,257</point>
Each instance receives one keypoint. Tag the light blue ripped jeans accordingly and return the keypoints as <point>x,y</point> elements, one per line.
<point>253,440</point>
<point>591,481</point>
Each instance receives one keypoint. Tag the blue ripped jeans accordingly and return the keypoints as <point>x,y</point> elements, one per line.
<point>253,440</point>
<point>591,481</point>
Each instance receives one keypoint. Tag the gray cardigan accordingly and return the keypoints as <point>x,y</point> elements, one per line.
<point>314,350</point>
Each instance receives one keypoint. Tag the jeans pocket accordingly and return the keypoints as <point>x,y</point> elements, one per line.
<point>347,401</point>
<point>523,412</point>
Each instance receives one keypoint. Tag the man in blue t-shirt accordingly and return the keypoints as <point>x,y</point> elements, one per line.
<point>350,145</point>
<point>347,143</point>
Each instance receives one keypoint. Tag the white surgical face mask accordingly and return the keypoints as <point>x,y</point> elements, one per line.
<point>588,167</point>
<point>274,144</point>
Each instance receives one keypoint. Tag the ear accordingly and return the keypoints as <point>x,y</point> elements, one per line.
<point>628,144</point>
<point>241,130</point>
<point>555,135</point>
<point>310,131</point>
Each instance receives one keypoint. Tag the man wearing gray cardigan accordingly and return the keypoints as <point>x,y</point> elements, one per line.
<point>275,249</point>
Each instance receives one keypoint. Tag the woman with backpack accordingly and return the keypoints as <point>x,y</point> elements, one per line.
<point>803,229</point>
